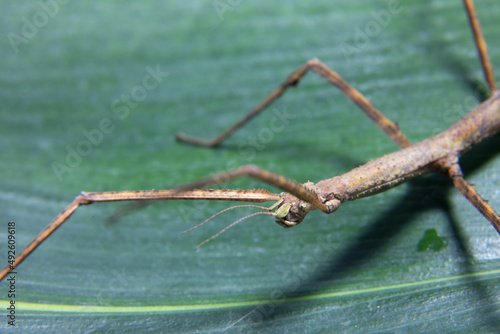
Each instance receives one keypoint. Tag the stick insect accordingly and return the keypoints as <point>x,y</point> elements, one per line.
<point>437,154</point>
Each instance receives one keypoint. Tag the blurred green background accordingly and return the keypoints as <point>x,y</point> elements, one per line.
<point>67,69</point>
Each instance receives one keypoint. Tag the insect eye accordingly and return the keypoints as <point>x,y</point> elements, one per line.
<point>302,206</point>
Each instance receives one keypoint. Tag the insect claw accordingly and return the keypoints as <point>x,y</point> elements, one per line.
<point>333,205</point>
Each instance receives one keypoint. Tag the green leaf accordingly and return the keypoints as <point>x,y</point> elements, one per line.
<point>81,111</point>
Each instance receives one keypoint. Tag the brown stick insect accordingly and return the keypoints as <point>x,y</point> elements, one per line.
<point>437,154</point>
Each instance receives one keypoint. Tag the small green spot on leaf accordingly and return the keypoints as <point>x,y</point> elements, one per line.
<point>432,241</point>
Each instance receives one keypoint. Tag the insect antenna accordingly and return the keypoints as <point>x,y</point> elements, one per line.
<point>236,222</point>
<point>227,209</point>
